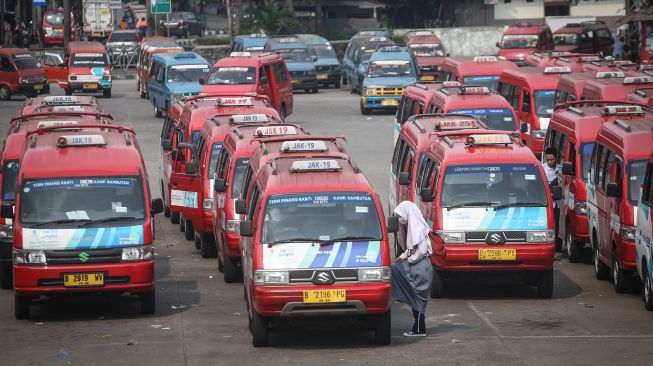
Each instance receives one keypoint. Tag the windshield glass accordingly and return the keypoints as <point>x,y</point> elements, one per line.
<point>389,68</point>
<point>54,18</point>
<point>494,118</point>
<point>237,178</point>
<point>636,172</point>
<point>123,37</point>
<point>320,216</point>
<point>232,76</point>
<point>491,81</point>
<point>323,51</point>
<point>513,41</point>
<point>81,199</point>
<point>186,73</point>
<point>213,159</point>
<point>566,39</point>
<point>544,102</point>
<point>25,61</point>
<point>586,156</point>
<point>89,59</point>
<point>426,49</point>
<point>492,185</point>
<point>9,180</point>
<point>295,55</point>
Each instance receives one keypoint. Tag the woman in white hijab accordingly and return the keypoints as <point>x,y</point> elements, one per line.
<point>413,272</point>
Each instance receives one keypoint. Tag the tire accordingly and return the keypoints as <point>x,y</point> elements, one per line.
<point>175,217</point>
<point>217,249</point>
<point>343,79</point>
<point>166,211</point>
<point>383,329</point>
<point>260,331</point>
<point>574,248</point>
<point>189,231</point>
<point>106,93</point>
<point>545,285</point>
<point>231,272</point>
<point>207,246</point>
<point>68,92</point>
<point>620,278</point>
<point>365,111</point>
<point>22,305</point>
<point>198,243</point>
<point>157,112</point>
<point>601,271</point>
<point>6,275</point>
<point>337,85</point>
<point>437,286</point>
<point>283,114</point>
<point>5,93</point>
<point>558,245</point>
<point>148,302</point>
<point>307,91</point>
<point>647,292</point>
<point>315,90</point>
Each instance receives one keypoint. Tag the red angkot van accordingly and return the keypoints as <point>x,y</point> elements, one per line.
<point>521,39</point>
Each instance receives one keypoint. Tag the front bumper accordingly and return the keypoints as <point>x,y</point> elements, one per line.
<point>328,77</point>
<point>304,82</point>
<point>34,89</point>
<point>465,257</point>
<point>89,87</point>
<point>380,102</point>
<point>6,249</point>
<point>627,253</point>
<point>579,227</point>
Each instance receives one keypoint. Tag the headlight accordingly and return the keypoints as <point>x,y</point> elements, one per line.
<point>374,274</point>
<point>628,233</point>
<point>175,97</point>
<point>27,256</point>
<point>452,237</point>
<point>539,134</point>
<point>544,236</point>
<point>580,207</point>
<point>141,253</point>
<point>23,80</point>
<point>6,231</point>
<point>207,204</point>
<point>369,91</point>
<point>233,226</point>
<point>271,277</point>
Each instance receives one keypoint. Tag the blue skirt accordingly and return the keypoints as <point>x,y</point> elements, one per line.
<point>411,283</point>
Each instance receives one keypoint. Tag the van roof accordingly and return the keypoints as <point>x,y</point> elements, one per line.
<point>614,88</point>
<point>86,46</point>
<point>633,137</point>
<point>580,27</point>
<point>180,58</point>
<point>254,60</point>
<point>450,148</point>
<point>14,51</point>
<point>400,54</point>
<point>455,97</point>
<point>525,28</point>
<point>473,65</point>
<point>273,148</point>
<point>240,137</point>
<point>535,76</point>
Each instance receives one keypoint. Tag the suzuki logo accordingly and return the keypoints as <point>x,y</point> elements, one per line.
<point>323,278</point>
<point>84,257</point>
<point>495,238</point>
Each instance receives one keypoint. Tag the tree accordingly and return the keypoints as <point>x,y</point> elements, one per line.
<point>269,18</point>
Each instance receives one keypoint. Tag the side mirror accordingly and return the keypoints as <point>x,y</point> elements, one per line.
<point>314,58</point>
<point>220,185</point>
<point>191,167</point>
<point>448,54</point>
<point>612,190</point>
<point>166,145</point>
<point>156,206</point>
<point>404,178</point>
<point>556,193</point>
<point>7,210</point>
<point>523,127</point>
<point>246,229</point>
<point>202,80</point>
<point>567,168</point>
<point>526,107</point>
<point>497,44</point>
<point>393,224</point>
<point>241,207</point>
<point>425,195</point>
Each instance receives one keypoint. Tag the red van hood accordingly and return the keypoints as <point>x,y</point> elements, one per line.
<point>209,89</point>
<point>31,72</point>
<point>430,61</point>
<point>571,48</point>
<point>516,53</point>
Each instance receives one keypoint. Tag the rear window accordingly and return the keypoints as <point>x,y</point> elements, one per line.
<point>566,39</point>
<point>491,81</point>
<point>232,75</point>
<point>54,18</point>
<point>89,59</point>
<point>186,73</point>
<point>322,51</point>
<point>515,41</point>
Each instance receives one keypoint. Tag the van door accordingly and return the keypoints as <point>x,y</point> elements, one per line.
<point>282,86</point>
<point>156,85</point>
<point>185,186</point>
<point>8,75</point>
<point>263,87</point>
<point>55,68</point>
<point>602,201</point>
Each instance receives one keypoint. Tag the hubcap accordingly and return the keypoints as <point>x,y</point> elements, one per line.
<point>3,93</point>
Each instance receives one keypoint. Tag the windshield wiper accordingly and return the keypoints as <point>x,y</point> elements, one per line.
<point>295,240</point>
<point>62,221</point>
<point>519,204</point>
<point>108,219</point>
<point>472,204</point>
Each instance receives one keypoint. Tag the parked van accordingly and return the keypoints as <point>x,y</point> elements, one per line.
<point>641,96</point>
<point>21,73</point>
<point>474,70</point>
<point>521,39</point>
<point>357,57</point>
<point>585,37</point>
<point>570,86</point>
<point>146,53</point>
<point>327,64</point>
<point>614,88</point>
<point>52,27</point>
<point>428,52</point>
<point>86,68</point>
<point>261,73</point>
<point>298,61</point>
<point>246,43</point>
<point>643,237</point>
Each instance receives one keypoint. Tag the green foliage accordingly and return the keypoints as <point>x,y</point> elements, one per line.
<point>269,18</point>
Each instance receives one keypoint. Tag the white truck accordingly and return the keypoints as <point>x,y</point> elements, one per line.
<point>98,19</point>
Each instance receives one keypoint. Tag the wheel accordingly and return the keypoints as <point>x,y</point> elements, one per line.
<point>174,217</point>
<point>574,248</point>
<point>601,271</point>
<point>197,240</point>
<point>217,249</point>
<point>383,329</point>
<point>182,224</point>
<point>22,306</point>
<point>148,302</point>
<point>260,331</point>
<point>558,244</point>
<point>189,231</point>
<point>315,90</point>
<point>620,278</point>
<point>437,286</point>
<point>232,274</point>
<point>647,292</point>
<point>337,85</point>
<point>106,93</point>
<point>5,93</point>
<point>207,246</point>
<point>343,79</point>
<point>365,111</point>
<point>157,112</point>
<point>166,211</point>
<point>545,284</point>
<point>6,275</point>
<point>307,91</point>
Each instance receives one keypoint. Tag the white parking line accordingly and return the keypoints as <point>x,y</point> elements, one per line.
<point>485,319</point>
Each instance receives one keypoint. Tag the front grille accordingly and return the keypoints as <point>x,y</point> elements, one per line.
<point>428,68</point>
<point>481,236</point>
<point>118,280</point>
<point>340,274</point>
<point>95,256</point>
<point>322,68</point>
<point>388,91</point>
<point>297,73</point>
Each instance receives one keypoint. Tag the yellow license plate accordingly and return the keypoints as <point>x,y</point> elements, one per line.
<point>321,296</point>
<point>38,86</point>
<point>83,279</point>
<point>427,78</point>
<point>389,102</point>
<point>89,86</point>
<point>497,254</point>
<point>295,81</point>
<point>58,30</point>
<point>322,76</point>
<point>97,33</point>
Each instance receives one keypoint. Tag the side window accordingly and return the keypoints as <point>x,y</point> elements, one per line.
<point>594,163</point>
<point>618,169</point>
<point>515,98</point>
<point>526,102</point>
<point>252,205</point>
<point>154,71</point>
<point>647,196</point>
<point>601,167</point>
<point>550,138</point>
<point>561,96</point>
<point>166,131</point>
<point>422,166</point>
<point>604,35</point>
<point>506,90</point>
<point>433,108</point>
<point>397,155</point>
<point>571,157</point>
<point>262,76</point>
<point>222,163</point>
<point>5,64</point>
<point>407,110</point>
<point>607,170</point>
<point>409,162</point>
<point>280,73</point>
<point>247,179</point>
<point>562,148</point>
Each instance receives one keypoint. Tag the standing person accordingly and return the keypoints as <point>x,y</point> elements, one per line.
<point>412,273</point>
<point>123,23</point>
<point>618,49</point>
<point>142,26</point>
<point>553,172</point>
<point>7,35</point>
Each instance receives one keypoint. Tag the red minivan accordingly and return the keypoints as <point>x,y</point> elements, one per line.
<point>21,73</point>
<point>52,27</point>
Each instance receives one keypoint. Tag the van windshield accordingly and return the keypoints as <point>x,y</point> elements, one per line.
<point>426,49</point>
<point>493,185</point>
<point>494,118</point>
<point>46,201</point>
<point>586,155</point>
<point>237,178</point>
<point>544,102</point>
<point>89,60</point>
<point>320,216</point>
<point>295,55</point>
<point>389,68</point>
<point>322,51</point>
<point>566,39</point>
<point>186,73</point>
<point>232,75</point>
<point>636,171</point>
<point>9,180</point>
<point>55,19</point>
<point>491,81</point>
<point>213,159</point>
<point>25,61</point>
<point>514,41</point>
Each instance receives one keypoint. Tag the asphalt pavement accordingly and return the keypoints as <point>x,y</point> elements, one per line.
<point>200,320</point>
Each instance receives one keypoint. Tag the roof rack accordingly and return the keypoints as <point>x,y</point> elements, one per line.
<point>74,114</point>
<point>577,111</point>
<point>118,128</point>
<point>623,124</point>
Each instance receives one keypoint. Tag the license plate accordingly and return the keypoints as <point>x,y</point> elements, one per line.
<point>321,296</point>
<point>98,34</point>
<point>295,81</point>
<point>427,78</point>
<point>58,30</point>
<point>89,86</point>
<point>38,86</point>
<point>497,254</point>
<point>389,102</point>
<point>322,76</point>
<point>83,279</point>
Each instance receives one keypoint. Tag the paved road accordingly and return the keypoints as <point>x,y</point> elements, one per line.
<point>202,321</point>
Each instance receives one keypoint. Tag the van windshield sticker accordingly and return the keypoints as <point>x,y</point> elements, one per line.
<point>79,183</point>
<point>319,199</point>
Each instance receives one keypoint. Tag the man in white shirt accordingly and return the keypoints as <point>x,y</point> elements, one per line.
<point>553,172</point>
